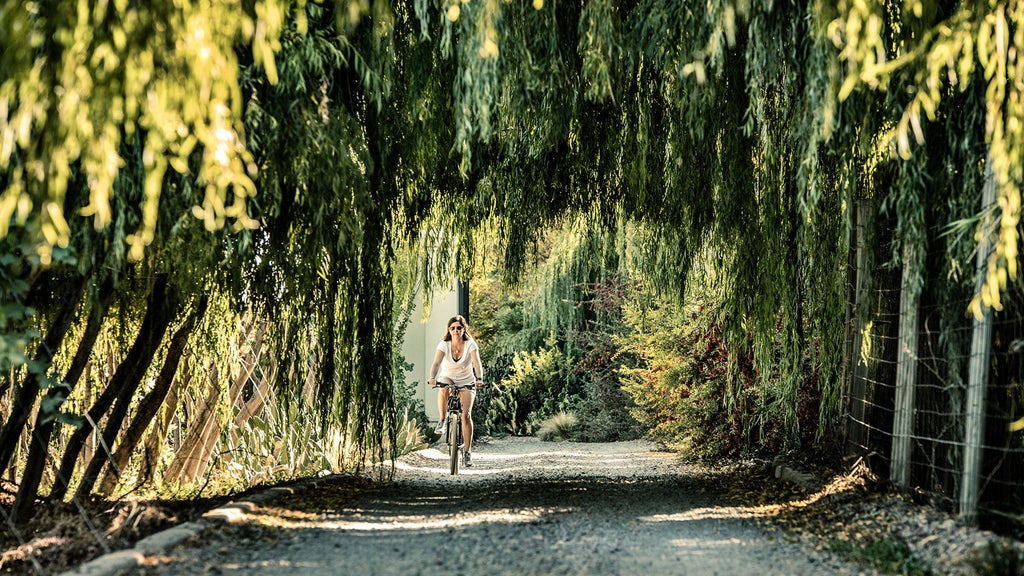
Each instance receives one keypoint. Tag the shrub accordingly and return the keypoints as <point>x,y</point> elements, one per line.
<point>535,389</point>
<point>499,413</point>
<point>605,409</point>
<point>887,556</point>
<point>490,407</point>
<point>696,390</point>
<point>681,384</point>
<point>558,427</point>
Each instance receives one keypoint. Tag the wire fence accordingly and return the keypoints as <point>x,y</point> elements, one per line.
<point>914,425</point>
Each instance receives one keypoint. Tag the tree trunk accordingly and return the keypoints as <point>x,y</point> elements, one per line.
<point>131,369</point>
<point>25,398</point>
<point>150,405</point>
<point>43,431</point>
<point>167,305</point>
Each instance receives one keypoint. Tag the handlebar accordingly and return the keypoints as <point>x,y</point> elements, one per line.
<point>459,386</point>
<point>494,385</point>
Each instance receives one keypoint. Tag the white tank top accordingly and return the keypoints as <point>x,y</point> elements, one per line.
<point>458,371</point>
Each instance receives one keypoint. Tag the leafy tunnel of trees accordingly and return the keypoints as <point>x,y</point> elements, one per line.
<point>187,188</point>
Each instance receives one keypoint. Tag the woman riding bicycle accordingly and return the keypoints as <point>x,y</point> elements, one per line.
<point>458,359</point>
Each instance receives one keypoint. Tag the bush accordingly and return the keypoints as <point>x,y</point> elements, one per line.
<point>605,410</point>
<point>559,427</point>
<point>697,391</point>
<point>536,388</point>
<point>490,402</point>
<point>681,385</point>
<point>887,556</point>
<point>497,413</point>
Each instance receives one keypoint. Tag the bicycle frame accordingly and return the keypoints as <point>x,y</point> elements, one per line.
<point>453,424</point>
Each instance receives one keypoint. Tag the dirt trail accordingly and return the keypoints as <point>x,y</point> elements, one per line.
<point>525,507</point>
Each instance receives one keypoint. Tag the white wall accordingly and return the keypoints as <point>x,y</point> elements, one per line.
<point>421,338</point>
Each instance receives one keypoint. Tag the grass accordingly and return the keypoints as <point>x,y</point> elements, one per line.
<point>558,427</point>
<point>886,556</point>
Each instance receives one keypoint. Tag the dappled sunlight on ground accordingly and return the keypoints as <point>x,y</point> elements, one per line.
<point>434,460</point>
<point>433,453</point>
<point>704,546</point>
<point>412,523</point>
<point>703,514</point>
<point>524,507</point>
<point>378,521</point>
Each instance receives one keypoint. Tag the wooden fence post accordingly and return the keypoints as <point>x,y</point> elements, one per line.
<point>856,437</point>
<point>906,372</point>
<point>186,452</point>
<point>977,370</point>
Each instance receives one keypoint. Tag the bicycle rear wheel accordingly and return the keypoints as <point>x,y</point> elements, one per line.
<point>453,442</point>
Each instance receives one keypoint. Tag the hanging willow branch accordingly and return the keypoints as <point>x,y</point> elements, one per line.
<point>943,48</point>
<point>735,138</point>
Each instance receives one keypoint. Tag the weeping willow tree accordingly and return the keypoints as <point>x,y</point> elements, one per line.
<point>310,105</point>
<point>693,138</point>
<point>305,139</point>
<point>746,135</point>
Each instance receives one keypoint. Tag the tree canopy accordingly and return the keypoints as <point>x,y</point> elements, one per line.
<point>309,143</point>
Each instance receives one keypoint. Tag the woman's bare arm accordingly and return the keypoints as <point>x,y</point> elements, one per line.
<point>478,367</point>
<point>432,375</point>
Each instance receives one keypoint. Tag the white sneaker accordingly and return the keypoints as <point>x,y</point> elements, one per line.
<point>439,429</point>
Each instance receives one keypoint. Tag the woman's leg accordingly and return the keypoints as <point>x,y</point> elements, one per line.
<point>467,397</point>
<point>442,402</point>
<point>442,406</point>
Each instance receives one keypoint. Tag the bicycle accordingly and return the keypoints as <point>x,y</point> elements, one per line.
<point>453,423</point>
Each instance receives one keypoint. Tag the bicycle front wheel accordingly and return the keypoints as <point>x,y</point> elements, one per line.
<point>453,443</point>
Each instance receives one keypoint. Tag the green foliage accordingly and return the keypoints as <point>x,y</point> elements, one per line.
<point>886,556</point>
<point>682,384</point>
<point>50,406</point>
<point>536,388</point>
<point>933,55</point>
<point>584,316</point>
<point>324,264</point>
<point>693,390</point>
<point>717,149</point>
<point>406,398</point>
<point>605,410</point>
<point>285,442</point>
<point>499,410</point>
<point>502,320</point>
<point>78,85</point>
<point>532,387</point>
<point>16,327</point>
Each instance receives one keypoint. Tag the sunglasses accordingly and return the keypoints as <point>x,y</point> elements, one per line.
<point>456,327</point>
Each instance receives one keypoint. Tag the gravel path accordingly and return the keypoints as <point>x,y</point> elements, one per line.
<point>525,507</point>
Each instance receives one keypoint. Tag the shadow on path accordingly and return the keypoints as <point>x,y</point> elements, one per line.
<point>579,512</point>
